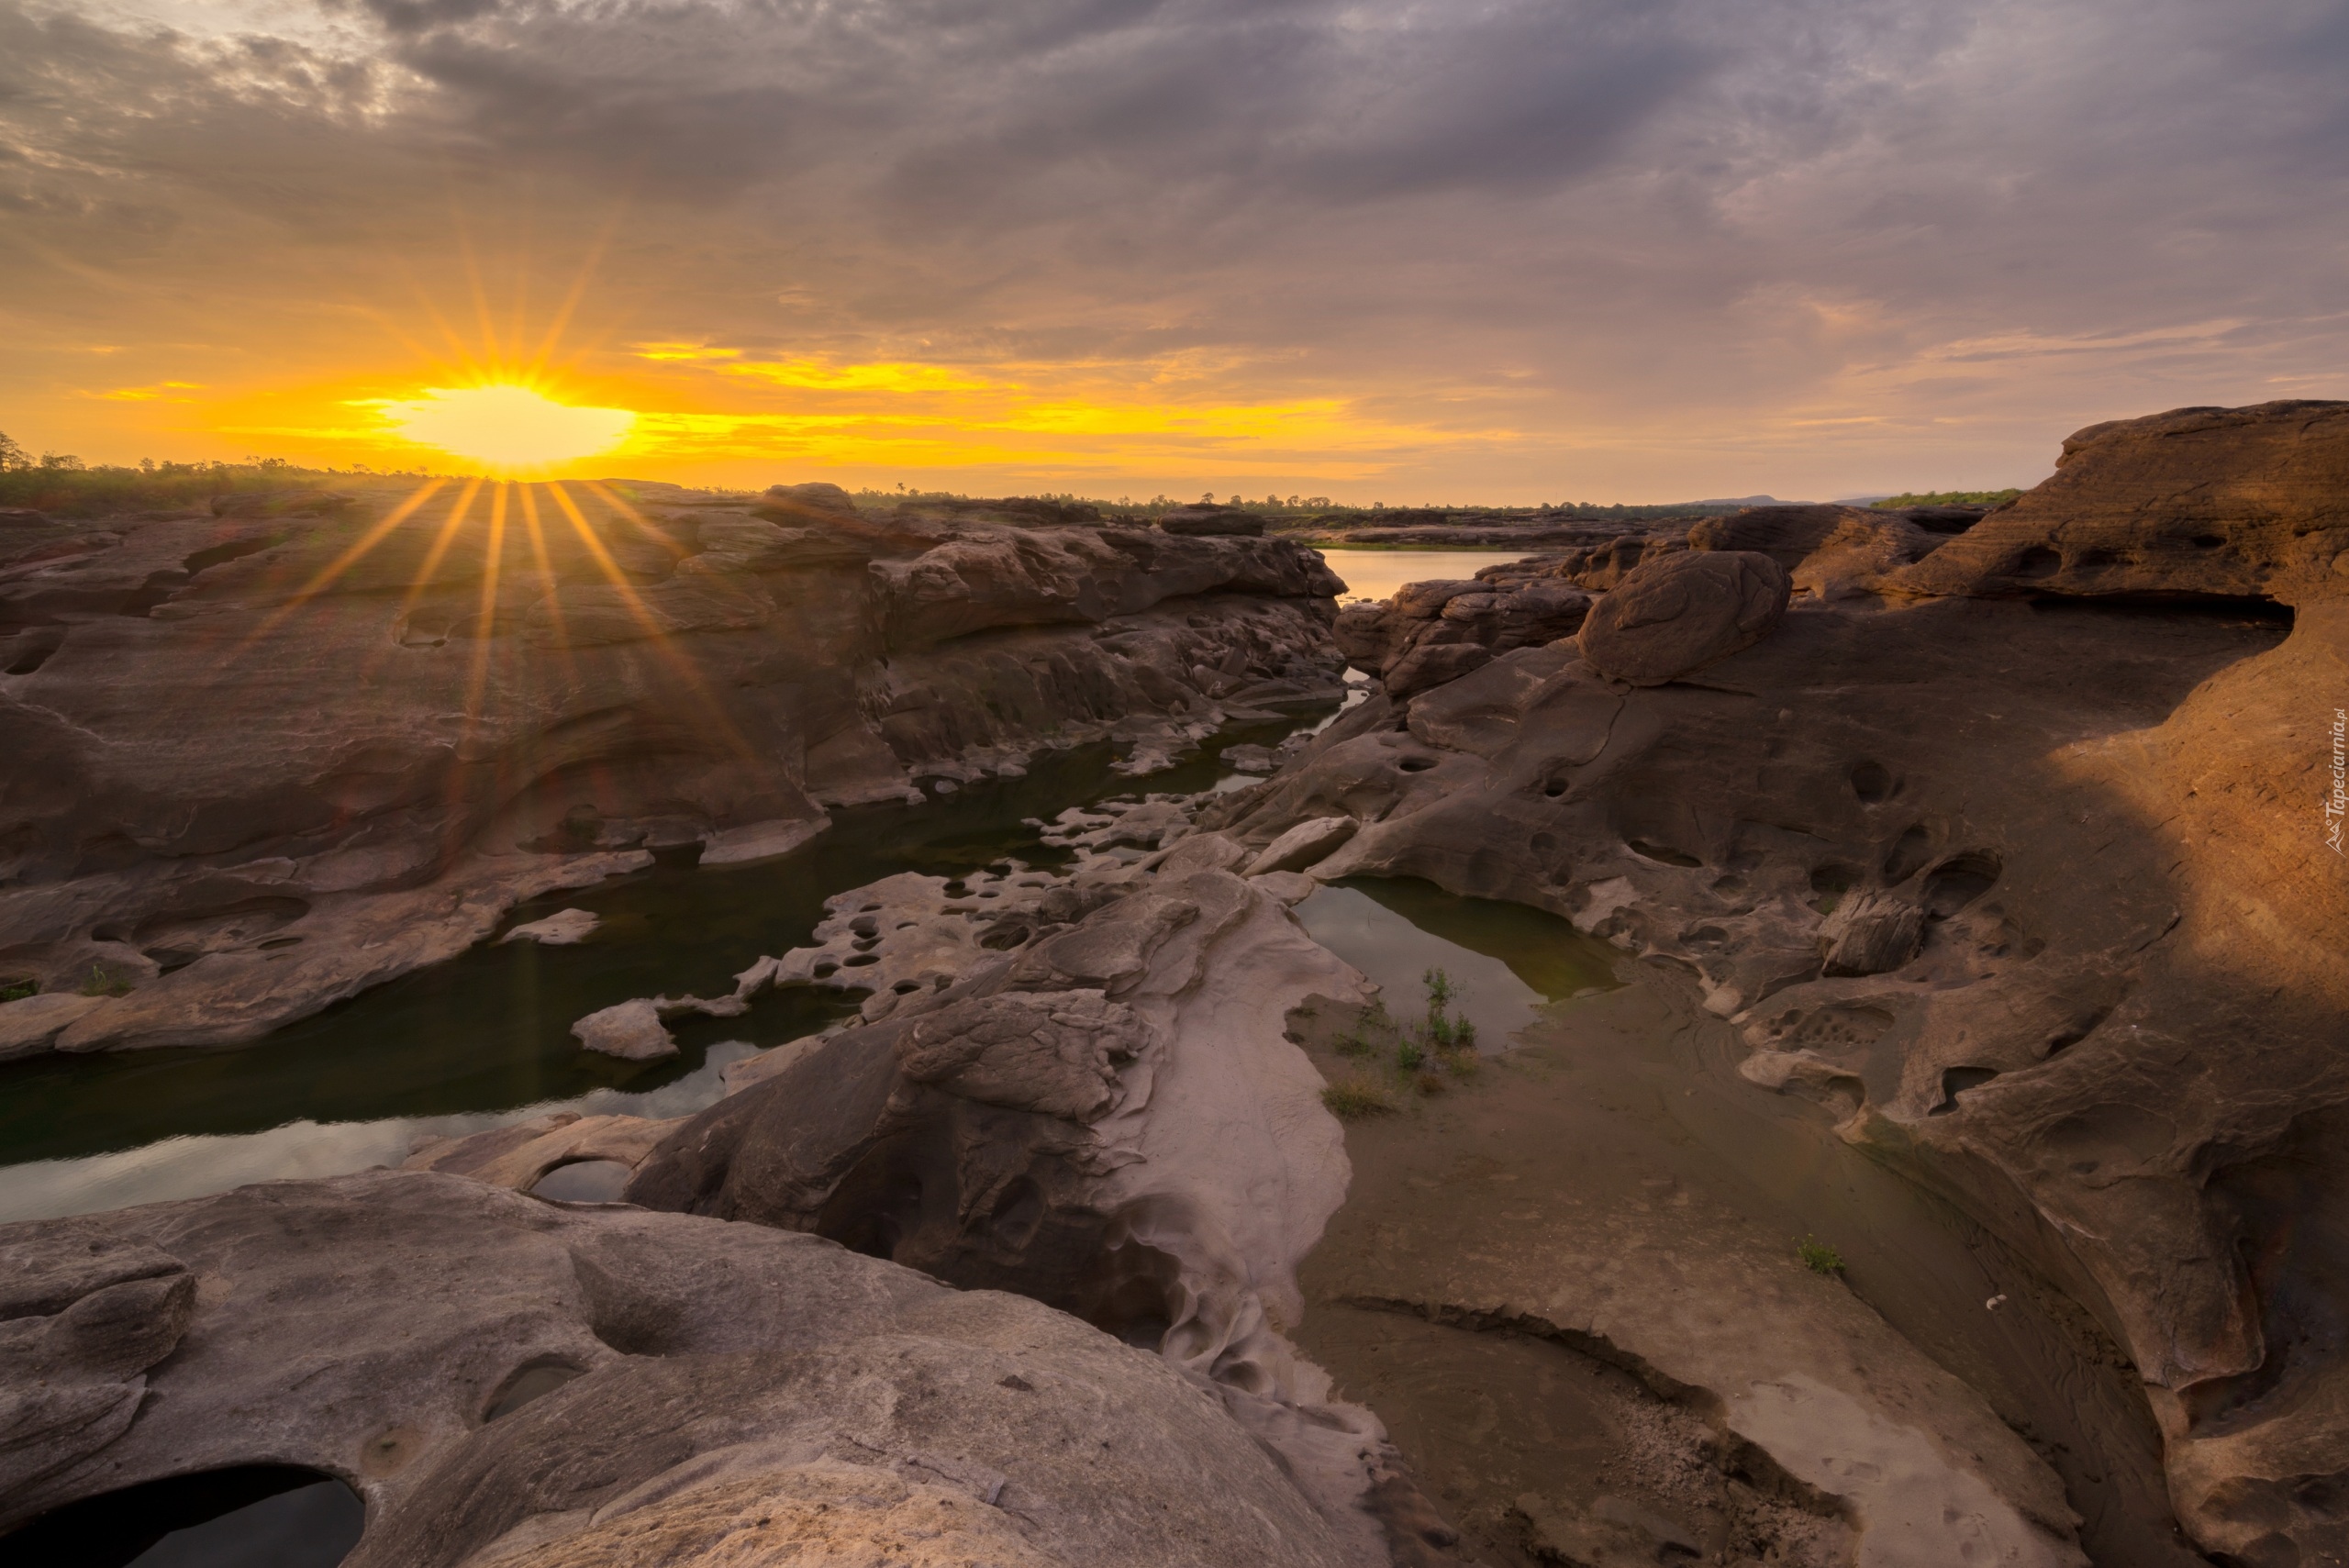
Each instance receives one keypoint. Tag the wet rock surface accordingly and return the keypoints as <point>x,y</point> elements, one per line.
<point>268,758</point>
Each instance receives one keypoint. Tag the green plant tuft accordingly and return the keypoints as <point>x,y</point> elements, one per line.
<point>1408,1056</point>
<point>103,982</point>
<point>1440,990</point>
<point>18,990</point>
<point>1353,1098</point>
<point>1818,1257</point>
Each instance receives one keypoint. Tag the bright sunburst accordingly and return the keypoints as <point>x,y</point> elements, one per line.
<point>508,427</point>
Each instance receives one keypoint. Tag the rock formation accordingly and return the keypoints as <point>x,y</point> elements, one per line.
<point>265,759</point>
<point>1086,1096</point>
<point>2007,849</point>
<point>511,1380</point>
<point>2013,855</point>
<point>1434,632</point>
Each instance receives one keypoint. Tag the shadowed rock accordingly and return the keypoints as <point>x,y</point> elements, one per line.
<point>1433,633</point>
<point>2080,973</point>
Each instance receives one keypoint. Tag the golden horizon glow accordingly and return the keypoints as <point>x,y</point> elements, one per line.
<point>508,427</point>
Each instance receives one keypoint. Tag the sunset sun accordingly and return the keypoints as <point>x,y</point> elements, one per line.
<point>508,427</point>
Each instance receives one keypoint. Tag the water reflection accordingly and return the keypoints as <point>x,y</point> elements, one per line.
<point>1504,959</point>
<point>190,1166</point>
<point>1377,573</point>
<point>486,1037</point>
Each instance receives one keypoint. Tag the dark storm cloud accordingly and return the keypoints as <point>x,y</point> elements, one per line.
<point>1039,109</point>
<point>1772,205</point>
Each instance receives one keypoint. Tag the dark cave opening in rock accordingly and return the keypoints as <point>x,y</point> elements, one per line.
<point>1955,1081</point>
<point>252,1516</point>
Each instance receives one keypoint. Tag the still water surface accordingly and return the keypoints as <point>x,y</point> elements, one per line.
<point>1504,961</point>
<point>1377,573</point>
<point>485,1037</point>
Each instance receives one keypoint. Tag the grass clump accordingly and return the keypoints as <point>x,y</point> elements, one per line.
<point>1452,1041</point>
<point>105,982</point>
<point>18,990</point>
<point>1818,1257</point>
<point>1352,1099</point>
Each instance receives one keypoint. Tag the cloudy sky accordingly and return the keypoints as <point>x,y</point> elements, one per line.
<point>1489,249</point>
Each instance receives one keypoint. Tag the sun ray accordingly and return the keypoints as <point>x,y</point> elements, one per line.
<point>620,503</point>
<point>485,630</point>
<point>441,543</point>
<point>654,629</point>
<point>570,304</point>
<point>561,629</point>
<point>481,296</point>
<point>484,633</point>
<point>433,556</point>
<point>342,563</point>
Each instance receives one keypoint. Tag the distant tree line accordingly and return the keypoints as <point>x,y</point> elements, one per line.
<point>63,484</point>
<point>1946,498</point>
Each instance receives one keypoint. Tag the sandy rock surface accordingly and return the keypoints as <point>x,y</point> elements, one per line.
<point>1079,1088</point>
<point>2016,861</point>
<point>1677,614</point>
<point>720,1387</point>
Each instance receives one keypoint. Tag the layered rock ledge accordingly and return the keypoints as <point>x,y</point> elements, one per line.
<point>265,759</point>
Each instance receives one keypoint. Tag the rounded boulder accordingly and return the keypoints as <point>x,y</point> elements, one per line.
<point>1680,612</point>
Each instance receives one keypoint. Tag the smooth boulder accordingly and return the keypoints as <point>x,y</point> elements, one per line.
<point>507,1379</point>
<point>1682,612</point>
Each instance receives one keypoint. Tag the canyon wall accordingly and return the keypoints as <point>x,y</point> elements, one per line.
<point>264,759</point>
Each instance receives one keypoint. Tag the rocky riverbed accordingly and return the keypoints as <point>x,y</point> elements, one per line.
<point>1913,1141</point>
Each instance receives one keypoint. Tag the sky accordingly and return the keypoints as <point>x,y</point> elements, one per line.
<point>1490,250</point>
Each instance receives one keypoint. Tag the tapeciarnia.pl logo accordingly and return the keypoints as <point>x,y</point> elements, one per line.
<point>2336,804</point>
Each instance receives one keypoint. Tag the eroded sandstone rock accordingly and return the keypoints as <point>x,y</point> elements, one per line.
<point>690,1384</point>
<point>2211,502</point>
<point>1433,633</point>
<point>1094,1114</point>
<point>2077,980</point>
<point>1679,614</point>
<point>268,758</point>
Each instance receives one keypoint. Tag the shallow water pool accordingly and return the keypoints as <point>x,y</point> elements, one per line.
<point>1502,961</point>
<point>1377,573</point>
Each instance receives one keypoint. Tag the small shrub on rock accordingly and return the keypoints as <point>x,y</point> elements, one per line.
<point>104,981</point>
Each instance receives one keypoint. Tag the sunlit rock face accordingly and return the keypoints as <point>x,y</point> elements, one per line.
<point>2014,855</point>
<point>264,759</point>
